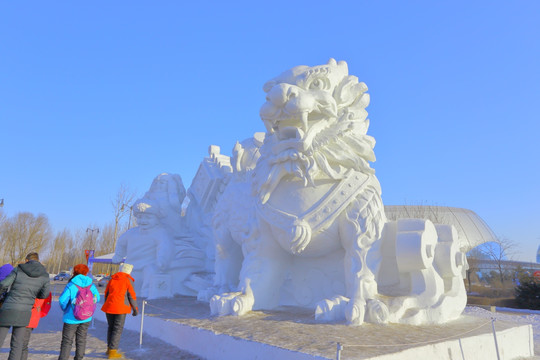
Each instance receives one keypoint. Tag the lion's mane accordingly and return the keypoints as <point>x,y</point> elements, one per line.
<point>342,145</point>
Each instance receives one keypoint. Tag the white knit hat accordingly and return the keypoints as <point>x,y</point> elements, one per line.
<point>126,268</point>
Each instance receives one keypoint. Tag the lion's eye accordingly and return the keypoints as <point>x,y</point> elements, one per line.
<point>317,84</point>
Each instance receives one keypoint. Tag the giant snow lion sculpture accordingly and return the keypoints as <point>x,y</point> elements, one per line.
<point>311,230</point>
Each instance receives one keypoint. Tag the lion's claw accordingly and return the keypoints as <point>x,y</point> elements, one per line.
<point>355,312</point>
<point>377,312</point>
<point>235,303</point>
<point>331,309</point>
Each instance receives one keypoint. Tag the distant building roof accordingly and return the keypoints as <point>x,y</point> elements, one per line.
<point>107,259</point>
<point>471,229</point>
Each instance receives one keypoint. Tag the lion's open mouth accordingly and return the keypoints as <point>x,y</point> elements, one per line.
<point>290,133</point>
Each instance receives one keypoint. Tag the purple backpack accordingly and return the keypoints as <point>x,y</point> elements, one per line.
<point>84,306</point>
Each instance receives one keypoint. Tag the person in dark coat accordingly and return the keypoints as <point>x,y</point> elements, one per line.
<point>28,281</point>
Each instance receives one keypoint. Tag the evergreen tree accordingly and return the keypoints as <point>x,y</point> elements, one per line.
<point>528,293</point>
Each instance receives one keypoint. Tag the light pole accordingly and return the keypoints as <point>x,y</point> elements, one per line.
<point>92,232</point>
<point>92,235</point>
<point>130,212</point>
<point>118,219</point>
<point>91,243</point>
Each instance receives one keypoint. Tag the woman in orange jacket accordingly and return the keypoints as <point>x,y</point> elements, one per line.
<point>120,300</point>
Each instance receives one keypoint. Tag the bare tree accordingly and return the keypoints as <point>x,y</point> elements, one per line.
<point>474,258</point>
<point>499,250</point>
<point>107,239</point>
<point>2,240</point>
<point>122,205</point>
<point>57,257</point>
<point>23,234</point>
<point>73,254</point>
<point>2,216</point>
<point>82,240</point>
<point>418,211</point>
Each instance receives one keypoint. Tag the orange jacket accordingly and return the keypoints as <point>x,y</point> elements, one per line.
<point>120,297</point>
<point>40,309</point>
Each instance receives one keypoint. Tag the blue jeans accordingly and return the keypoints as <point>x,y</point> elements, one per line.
<point>70,331</point>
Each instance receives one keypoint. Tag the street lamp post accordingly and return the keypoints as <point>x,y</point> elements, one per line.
<point>92,232</point>
<point>116,225</point>
<point>91,241</point>
<point>92,235</point>
<point>130,212</point>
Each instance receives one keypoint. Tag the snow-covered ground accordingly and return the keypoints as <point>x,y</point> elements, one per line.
<point>45,341</point>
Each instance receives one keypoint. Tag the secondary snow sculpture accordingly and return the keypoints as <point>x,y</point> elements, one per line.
<point>168,191</point>
<point>163,254</point>
<point>306,226</point>
<point>206,187</point>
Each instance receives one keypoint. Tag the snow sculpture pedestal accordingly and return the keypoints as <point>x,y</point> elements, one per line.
<point>161,286</point>
<point>289,333</point>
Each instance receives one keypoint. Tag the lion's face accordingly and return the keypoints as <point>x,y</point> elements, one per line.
<point>316,122</point>
<point>304,101</point>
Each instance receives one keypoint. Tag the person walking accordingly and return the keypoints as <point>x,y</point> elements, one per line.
<point>120,300</point>
<point>74,327</point>
<point>40,309</point>
<point>28,281</point>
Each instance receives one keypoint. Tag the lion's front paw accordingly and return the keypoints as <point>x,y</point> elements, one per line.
<point>330,310</point>
<point>235,303</point>
<point>377,312</point>
<point>372,310</point>
<point>355,312</point>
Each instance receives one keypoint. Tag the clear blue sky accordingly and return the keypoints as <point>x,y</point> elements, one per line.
<point>96,94</point>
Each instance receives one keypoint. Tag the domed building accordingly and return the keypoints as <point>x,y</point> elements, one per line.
<point>471,228</point>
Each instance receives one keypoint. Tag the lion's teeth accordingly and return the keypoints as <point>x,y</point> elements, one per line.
<point>304,118</point>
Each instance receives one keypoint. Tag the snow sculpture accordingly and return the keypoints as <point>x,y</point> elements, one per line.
<point>301,221</point>
<point>231,227</point>
<point>168,191</point>
<point>206,187</point>
<point>163,254</point>
<point>421,272</point>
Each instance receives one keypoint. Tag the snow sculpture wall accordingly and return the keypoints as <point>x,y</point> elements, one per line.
<point>206,187</point>
<point>301,220</point>
<point>162,250</point>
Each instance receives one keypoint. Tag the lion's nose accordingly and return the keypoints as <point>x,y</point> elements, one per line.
<point>281,94</point>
